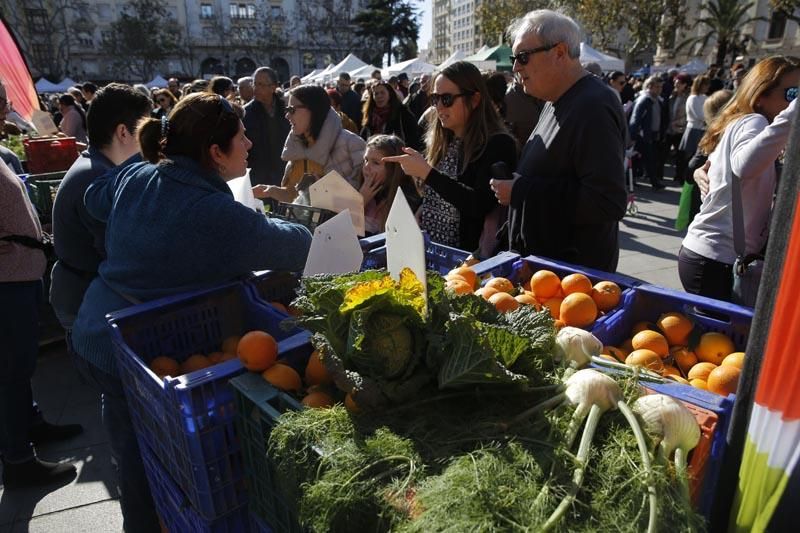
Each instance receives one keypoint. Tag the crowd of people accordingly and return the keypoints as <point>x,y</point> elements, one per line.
<point>533,162</point>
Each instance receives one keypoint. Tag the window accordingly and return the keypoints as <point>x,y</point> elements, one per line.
<point>85,39</point>
<point>41,53</point>
<point>309,62</point>
<point>777,25</point>
<point>207,11</point>
<point>243,11</point>
<point>37,20</point>
<point>276,12</point>
<point>104,11</point>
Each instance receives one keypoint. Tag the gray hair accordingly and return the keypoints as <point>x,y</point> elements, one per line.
<point>551,27</point>
<point>655,78</point>
<point>247,80</point>
<point>273,76</point>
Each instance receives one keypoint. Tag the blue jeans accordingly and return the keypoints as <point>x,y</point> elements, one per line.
<point>138,510</point>
<point>19,346</point>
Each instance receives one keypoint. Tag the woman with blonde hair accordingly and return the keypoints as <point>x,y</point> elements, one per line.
<point>467,136</point>
<point>745,140</point>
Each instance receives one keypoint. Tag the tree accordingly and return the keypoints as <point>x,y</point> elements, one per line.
<point>330,25</point>
<point>144,36</point>
<point>391,23</point>
<point>723,20</point>
<point>495,16</point>
<point>790,8</point>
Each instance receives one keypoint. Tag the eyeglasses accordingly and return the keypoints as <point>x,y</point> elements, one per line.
<point>292,109</point>
<point>522,55</point>
<point>163,101</point>
<point>790,94</point>
<point>446,99</point>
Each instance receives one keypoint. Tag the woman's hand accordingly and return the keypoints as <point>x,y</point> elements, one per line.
<point>701,179</point>
<point>502,189</point>
<point>264,191</point>
<point>370,188</point>
<point>412,163</point>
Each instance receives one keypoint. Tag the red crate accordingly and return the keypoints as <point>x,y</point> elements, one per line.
<point>50,154</point>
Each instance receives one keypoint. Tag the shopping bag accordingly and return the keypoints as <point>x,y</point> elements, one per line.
<point>685,207</point>
<point>746,279</point>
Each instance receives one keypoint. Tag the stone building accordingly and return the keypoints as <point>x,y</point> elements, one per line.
<point>67,37</point>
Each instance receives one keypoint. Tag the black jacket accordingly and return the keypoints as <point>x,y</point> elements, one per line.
<point>403,124</point>
<point>268,135</point>
<point>471,193</point>
<point>351,105</point>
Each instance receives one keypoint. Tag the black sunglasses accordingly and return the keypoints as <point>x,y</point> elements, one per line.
<point>523,55</point>
<point>291,109</point>
<point>446,99</point>
<point>790,94</point>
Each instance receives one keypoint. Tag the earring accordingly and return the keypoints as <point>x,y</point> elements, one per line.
<point>222,169</point>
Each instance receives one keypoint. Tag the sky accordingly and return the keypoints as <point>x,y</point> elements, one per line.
<point>424,6</point>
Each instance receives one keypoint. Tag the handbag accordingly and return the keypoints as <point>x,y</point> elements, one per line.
<point>747,268</point>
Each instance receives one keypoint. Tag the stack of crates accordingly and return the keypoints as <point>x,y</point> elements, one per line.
<point>185,424</point>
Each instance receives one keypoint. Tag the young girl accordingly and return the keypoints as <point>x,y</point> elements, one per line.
<point>380,181</point>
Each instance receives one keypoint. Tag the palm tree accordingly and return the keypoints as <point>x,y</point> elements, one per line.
<point>723,21</point>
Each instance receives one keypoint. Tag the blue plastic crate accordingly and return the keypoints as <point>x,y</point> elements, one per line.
<point>372,242</point>
<point>175,510</point>
<point>188,421</point>
<point>438,257</point>
<point>258,405</point>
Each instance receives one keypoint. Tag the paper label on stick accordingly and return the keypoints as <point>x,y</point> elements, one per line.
<point>405,245</point>
<point>242,191</point>
<point>43,123</point>
<point>335,248</point>
<point>333,192</point>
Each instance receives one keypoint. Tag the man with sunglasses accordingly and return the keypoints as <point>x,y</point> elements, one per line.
<point>267,128</point>
<point>568,194</point>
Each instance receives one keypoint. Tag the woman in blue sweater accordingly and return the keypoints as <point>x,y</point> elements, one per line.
<point>172,226</point>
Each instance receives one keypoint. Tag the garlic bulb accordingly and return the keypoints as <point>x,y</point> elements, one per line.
<point>669,419</point>
<point>575,345</point>
<point>586,387</point>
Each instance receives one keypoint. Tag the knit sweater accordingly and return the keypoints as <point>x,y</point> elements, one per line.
<point>171,228</point>
<point>18,217</point>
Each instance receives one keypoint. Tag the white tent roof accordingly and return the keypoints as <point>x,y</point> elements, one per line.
<point>311,74</point>
<point>411,67</point>
<point>63,85</point>
<point>322,76</point>
<point>158,81</point>
<point>606,62</point>
<point>348,64</point>
<point>46,86</point>
<point>363,72</point>
<point>458,55</point>
<point>694,67</point>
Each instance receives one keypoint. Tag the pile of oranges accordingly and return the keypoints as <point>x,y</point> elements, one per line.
<point>712,364</point>
<point>572,301</point>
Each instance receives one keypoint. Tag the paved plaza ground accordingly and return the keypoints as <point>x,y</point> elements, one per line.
<point>649,247</point>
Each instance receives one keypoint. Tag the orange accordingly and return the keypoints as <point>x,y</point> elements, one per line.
<point>280,307</point>
<point>458,285</point>
<point>257,350</point>
<point>700,371</point>
<point>558,324</point>
<point>350,403</point>
<point>317,399</point>
<point>283,377</point>
<point>578,309</point>
<point>545,284</point>
<point>651,340</point>
<point>647,359</point>
<point>626,346</point>
<point>698,383</point>
<point>486,292</point>
<point>165,366</point>
<point>195,362</point>
<point>216,357</point>
<point>465,272</point>
<point>713,347</point>
<point>615,352</point>
<point>526,298</point>
<point>670,370</point>
<point>229,345</point>
<point>503,302</point>
<point>316,373</point>
<point>675,327</point>
<point>683,358</point>
<point>608,357</point>
<point>554,305</point>
<point>724,380</point>
<point>573,283</point>
<point>735,359</point>
<point>641,326</point>
<point>500,285</point>
<point>606,295</point>
<point>678,379</point>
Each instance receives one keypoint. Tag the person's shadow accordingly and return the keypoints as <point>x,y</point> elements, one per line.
<point>19,504</point>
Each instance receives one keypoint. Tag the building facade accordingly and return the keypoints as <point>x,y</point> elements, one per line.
<point>455,28</point>
<point>63,38</point>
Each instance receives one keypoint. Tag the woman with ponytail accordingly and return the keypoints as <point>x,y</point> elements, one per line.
<point>172,226</point>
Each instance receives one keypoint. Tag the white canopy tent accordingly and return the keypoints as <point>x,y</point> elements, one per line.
<point>158,81</point>
<point>348,64</point>
<point>606,62</point>
<point>63,85</point>
<point>46,86</point>
<point>311,74</point>
<point>322,76</point>
<point>411,67</point>
<point>458,55</point>
<point>363,72</point>
<point>694,67</point>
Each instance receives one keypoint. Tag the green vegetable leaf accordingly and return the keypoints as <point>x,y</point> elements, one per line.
<point>537,326</point>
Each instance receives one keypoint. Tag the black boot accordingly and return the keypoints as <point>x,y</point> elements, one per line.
<point>44,432</point>
<point>35,472</point>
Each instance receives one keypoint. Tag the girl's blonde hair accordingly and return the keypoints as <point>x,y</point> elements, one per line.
<point>763,78</point>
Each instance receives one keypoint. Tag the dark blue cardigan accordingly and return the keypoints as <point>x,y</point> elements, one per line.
<point>171,228</point>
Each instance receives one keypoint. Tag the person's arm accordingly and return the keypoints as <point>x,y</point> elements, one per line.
<point>99,197</point>
<point>637,118</point>
<point>412,131</point>
<point>476,198</point>
<point>757,144</point>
